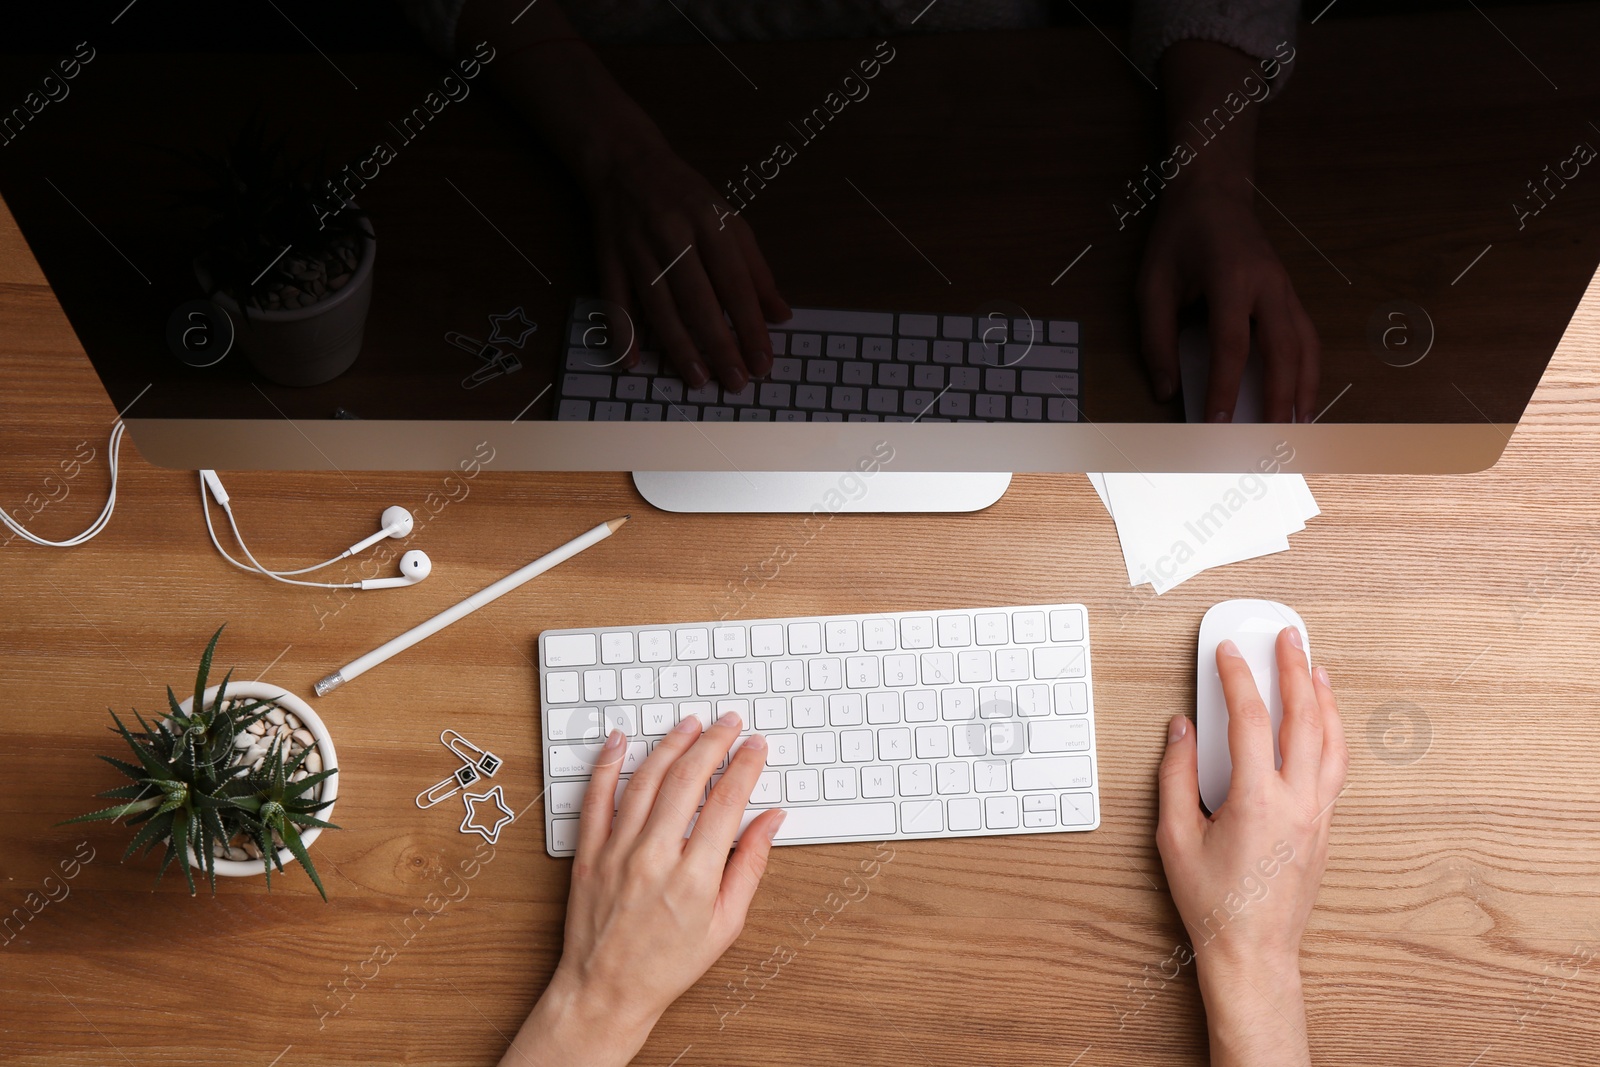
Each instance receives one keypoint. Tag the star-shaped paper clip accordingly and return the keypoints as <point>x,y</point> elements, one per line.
<point>477,805</point>
<point>512,328</point>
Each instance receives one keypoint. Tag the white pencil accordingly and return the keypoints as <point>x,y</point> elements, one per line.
<point>361,665</point>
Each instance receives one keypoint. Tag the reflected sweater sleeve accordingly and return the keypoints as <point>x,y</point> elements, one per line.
<point>435,20</point>
<point>1256,27</point>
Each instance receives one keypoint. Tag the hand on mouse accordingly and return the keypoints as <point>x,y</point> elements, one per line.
<point>1245,879</point>
<point>649,911</point>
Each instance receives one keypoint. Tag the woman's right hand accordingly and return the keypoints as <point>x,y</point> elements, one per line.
<point>667,242</point>
<point>1245,879</point>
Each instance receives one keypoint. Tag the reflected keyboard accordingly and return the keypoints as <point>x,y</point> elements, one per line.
<point>901,725</point>
<point>836,366</point>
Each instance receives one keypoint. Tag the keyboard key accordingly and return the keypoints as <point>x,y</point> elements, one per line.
<point>861,672</point>
<point>675,681</point>
<point>933,742</point>
<point>824,371</point>
<point>1033,700</point>
<point>949,352</point>
<point>750,677</point>
<point>573,761</point>
<point>728,642</point>
<point>566,798</point>
<point>805,344</point>
<point>907,350</point>
<point>1062,333</point>
<point>1028,627</point>
<point>1029,330</point>
<point>616,647</point>
<point>769,788</point>
<point>708,393</point>
<point>952,778</point>
<point>1050,772</point>
<point>832,821</point>
<point>878,635</point>
<point>841,346</point>
<point>713,680</point>
<point>594,386</point>
<point>811,397</point>
<point>955,703</point>
<point>1011,664</point>
<point>1065,662</point>
<point>783,750</point>
<point>1072,698</point>
<point>877,348</point>
<point>766,640</point>
<point>633,388</point>
<point>696,709</point>
<point>693,642</point>
<point>606,410</point>
<point>990,776</point>
<point>883,401</point>
<point>754,415</point>
<point>915,779</point>
<point>990,406</point>
<point>921,705</point>
<point>921,817</point>
<point>965,814</point>
<point>974,665</point>
<point>599,685</point>
<point>570,650</point>
<point>967,379</point>
<point>788,676</point>
<point>958,326</point>
<point>847,398</point>
<point>1000,380</point>
<point>1000,813</point>
<point>561,687</point>
<point>1060,409</point>
<point>638,683</point>
<point>805,638</point>
<point>856,746</point>
<point>1050,383</point>
<point>996,702</point>
<point>843,635</point>
<point>1029,408</point>
<point>1042,358</point>
<point>955,631</point>
<point>938,668</point>
<point>657,719</point>
<point>899,670</point>
<point>894,743</point>
<point>801,786</point>
<point>894,375</point>
<point>825,674</point>
<point>845,709</point>
<point>827,320</point>
<point>1007,738</point>
<point>820,747</point>
<point>916,632</point>
<point>573,724</point>
<point>971,739</point>
<point>719,415</point>
<point>919,325</point>
<point>646,413</point>
<point>1058,735</point>
<point>855,372</point>
<point>883,708</point>
<point>917,401</point>
<point>774,395</point>
<point>771,713</point>
<point>877,781</point>
<point>839,783</point>
<point>928,377</point>
<point>563,834</point>
<point>955,405</point>
<point>993,628</point>
<point>624,717</point>
<point>786,370</point>
<point>1077,809</point>
<point>808,712</point>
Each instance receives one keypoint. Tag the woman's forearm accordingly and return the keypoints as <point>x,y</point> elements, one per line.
<point>1256,1016</point>
<point>558,84</point>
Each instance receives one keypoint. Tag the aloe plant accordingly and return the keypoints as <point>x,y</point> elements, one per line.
<point>188,794</point>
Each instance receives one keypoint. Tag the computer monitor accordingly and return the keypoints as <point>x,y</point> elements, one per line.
<point>297,237</point>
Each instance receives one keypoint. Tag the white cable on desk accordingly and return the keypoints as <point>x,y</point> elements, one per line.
<point>205,508</point>
<point>114,448</point>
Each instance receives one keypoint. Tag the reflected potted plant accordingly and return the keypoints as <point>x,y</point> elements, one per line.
<point>237,779</point>
<point>293,269</point>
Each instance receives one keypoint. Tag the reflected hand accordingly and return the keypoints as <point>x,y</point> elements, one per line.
<point>1207,241</point>
<point>650,911</point>
<point>664,236</point>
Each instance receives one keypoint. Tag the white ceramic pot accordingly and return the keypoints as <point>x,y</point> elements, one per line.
<point>309,345</point>
<point>330,785</point>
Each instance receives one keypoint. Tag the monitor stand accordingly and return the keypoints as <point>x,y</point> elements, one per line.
<point>809,491</point>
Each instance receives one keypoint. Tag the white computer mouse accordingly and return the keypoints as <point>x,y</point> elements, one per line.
<point>1253,625</point>
<point>1194,371</point>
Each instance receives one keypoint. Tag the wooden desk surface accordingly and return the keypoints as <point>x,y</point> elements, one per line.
<point>1455,927</point>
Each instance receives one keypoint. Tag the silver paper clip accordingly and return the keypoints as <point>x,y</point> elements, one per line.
<point>485,762</point>
<point>495,361</point>
<point>464,776</point>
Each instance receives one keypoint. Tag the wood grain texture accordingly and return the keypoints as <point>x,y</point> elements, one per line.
<point>1457,911</point>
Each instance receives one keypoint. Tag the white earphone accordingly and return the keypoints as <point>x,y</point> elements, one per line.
<point>396,522</point>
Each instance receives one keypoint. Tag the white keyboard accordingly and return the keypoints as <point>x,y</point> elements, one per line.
<point>837,366</point>
<point>902,725</point>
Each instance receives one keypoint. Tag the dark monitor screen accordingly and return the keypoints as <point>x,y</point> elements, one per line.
<point>1033,214</point>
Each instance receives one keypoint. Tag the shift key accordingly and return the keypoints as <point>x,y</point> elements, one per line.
<point>1055,772</point>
